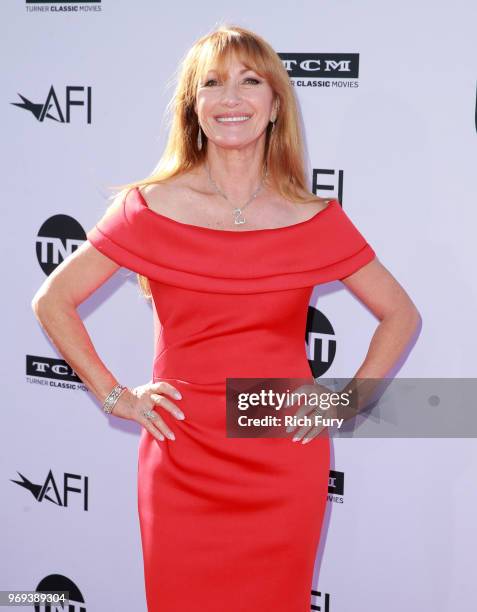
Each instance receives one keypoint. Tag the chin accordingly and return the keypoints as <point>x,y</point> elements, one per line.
<point>235,144</point>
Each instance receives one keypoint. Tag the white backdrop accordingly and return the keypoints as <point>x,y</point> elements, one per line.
<point>396,144</point>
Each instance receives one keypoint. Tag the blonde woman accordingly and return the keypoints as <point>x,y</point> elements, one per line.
<point>228,243</point>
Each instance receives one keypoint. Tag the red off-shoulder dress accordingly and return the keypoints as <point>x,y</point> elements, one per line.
<point>229,524</point>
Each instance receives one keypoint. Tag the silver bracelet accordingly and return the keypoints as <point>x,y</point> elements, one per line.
<point>112,398</point>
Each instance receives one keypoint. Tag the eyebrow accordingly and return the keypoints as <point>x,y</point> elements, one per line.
<point>241,72</point>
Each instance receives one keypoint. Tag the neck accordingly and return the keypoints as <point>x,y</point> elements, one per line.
<point>236,172</point>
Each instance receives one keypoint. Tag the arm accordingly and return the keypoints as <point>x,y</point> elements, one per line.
<point>399,319</point>
<point>375,287</point>
<point>55,304</point>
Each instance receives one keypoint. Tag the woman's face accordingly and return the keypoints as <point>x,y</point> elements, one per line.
<point>234,112</point>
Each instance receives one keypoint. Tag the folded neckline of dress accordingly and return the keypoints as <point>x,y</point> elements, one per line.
<point>143,203</point>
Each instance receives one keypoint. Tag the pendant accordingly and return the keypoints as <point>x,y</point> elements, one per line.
<point>238,216</point>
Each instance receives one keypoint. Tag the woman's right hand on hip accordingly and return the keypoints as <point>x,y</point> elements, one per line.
<point>136,403</point>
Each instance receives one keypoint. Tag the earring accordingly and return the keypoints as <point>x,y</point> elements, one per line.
<point>199,139</point>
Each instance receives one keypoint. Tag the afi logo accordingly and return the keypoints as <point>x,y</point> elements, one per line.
<point>320,602</point>
<point>57,239</point>
<point>52,109</point>
<point>320,342</point>
<point>50,491</point>
<point>328,184</point>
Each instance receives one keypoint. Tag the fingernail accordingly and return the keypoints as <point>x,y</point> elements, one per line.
<point>177,395</point>
<point>180,415</point>
<point>296,438</point>
<point>171,435</point>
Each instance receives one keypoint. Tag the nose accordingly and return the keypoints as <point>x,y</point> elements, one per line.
<point>230,93</point>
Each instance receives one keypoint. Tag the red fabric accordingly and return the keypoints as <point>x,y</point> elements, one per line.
<point>229,523</point>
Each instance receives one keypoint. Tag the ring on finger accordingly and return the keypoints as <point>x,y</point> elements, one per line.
<point>149,414</point>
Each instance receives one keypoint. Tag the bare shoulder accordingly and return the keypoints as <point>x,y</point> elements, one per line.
<point>166,196</point>
<point>155,193</point>
<point>322,203</point>
<point>313,206</point>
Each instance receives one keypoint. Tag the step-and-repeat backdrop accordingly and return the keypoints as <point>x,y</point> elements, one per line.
<point>388,99</point>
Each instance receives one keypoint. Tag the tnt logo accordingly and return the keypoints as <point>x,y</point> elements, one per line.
<point>57,583</point>
<point>57,239</point>
<point>320,342</point>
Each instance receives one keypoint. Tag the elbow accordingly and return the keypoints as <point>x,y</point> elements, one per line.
<point>41,304</point>
<point>414,316</point>
<point>406,314</point>
<point>47,303</point>
<point>38,307</point>
<point>410,318</point>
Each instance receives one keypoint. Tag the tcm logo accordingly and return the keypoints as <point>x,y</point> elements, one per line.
<point>336,487</point>
<point>50,491</point>
<point>48,367</point>
<point>57,239</point>
<point>320,342</point>
<point>56,110</point>
<point>58,583</point>
<point>319,65</point>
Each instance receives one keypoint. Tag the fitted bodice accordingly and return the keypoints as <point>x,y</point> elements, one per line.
<point>216,291</point>
<point>213,329</point>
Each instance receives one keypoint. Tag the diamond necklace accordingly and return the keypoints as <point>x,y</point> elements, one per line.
<point>237,211</point>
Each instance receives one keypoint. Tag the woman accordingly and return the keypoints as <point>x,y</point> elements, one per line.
<point>228,242</point>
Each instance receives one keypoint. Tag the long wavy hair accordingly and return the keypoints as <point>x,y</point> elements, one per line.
<point>284,150</point>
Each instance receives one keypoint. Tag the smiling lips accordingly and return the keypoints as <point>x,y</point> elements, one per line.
<point>232,118</point>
